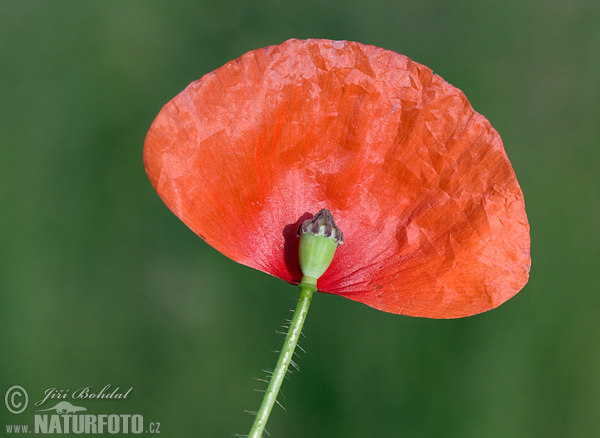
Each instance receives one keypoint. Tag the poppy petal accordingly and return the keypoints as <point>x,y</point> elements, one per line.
<point>433,217</point>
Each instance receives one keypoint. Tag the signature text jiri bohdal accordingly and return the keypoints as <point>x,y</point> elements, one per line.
<point>85,393</point>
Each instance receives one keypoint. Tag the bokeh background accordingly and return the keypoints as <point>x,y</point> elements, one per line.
<point>100,284</point>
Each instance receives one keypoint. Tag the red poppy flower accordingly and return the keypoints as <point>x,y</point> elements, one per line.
<point>433,217</point>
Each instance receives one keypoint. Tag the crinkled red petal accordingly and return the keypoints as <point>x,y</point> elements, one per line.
<point>432,213</point>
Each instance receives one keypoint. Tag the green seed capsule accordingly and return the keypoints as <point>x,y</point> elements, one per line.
<point>319,238</point>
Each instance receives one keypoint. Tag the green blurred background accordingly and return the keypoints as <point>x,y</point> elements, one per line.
<point>101,284</point>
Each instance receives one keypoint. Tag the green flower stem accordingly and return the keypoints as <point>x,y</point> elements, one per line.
<point>285,357</point>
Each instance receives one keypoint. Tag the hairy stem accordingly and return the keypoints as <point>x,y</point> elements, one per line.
<point>285,357</point>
